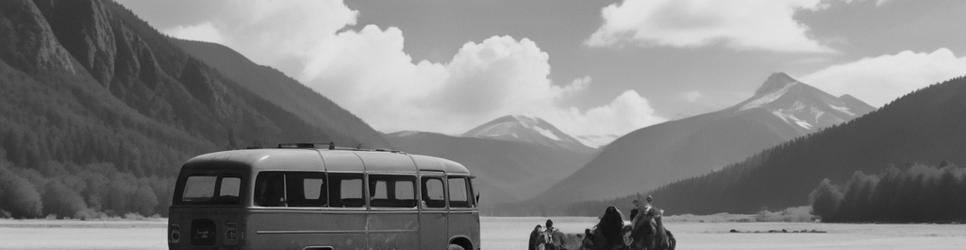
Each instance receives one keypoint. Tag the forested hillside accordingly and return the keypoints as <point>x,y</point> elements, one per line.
<point>923,127</point>
<point>98,109</point>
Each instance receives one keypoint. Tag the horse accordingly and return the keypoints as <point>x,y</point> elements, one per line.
<point>651,235</point>
<point>611,233</point>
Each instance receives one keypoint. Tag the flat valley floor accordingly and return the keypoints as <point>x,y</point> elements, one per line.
<point>512,233</point>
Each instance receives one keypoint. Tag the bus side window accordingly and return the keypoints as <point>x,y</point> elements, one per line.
<point>392,191</point>
<point>406,191</point>
<point>434,194</point>
<point>345,190</point>
<point>270,190</point>
<point>458,192</point>
<point>305,189</point>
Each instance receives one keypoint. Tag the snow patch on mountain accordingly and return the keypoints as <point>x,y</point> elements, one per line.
<point>818,113</point>
<point>842,109</point>
<point>547,133</point>
<point>792,119</point>
<point>597,141</point>
<point>767,98</point>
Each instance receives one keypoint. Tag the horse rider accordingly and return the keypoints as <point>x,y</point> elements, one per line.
<point>536,238</point>
<point>554,238</point>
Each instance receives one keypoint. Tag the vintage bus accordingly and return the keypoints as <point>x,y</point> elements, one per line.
<point>308,198</point>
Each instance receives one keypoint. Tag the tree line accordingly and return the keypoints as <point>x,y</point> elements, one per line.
<point>919,193</point>
<point>83,192</point>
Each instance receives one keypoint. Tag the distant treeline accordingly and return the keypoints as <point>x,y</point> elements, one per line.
<point>73,191</point>
<point>916,194</point>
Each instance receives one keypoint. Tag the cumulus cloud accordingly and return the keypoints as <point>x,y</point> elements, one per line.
<point>497,76</point>
<point>577,85</point>
<point>200,32</point>
<point>367,71</point>
<point>626,113</point>
<point>739,24</point>
<point>277,33</point>
<point>879,80</point>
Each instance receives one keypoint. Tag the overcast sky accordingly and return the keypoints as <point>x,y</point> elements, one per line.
<point>590,67</point>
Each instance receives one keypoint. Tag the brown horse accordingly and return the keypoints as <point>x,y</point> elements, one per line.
<point>650,234</point>
<point>612,234</point>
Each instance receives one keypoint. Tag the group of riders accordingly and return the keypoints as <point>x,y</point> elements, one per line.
<point>645,231</point>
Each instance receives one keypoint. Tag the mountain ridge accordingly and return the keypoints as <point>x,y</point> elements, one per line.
<point>288,93</point>
<point>526,129</point>
<point>780,110</point>
<point>925,126</point>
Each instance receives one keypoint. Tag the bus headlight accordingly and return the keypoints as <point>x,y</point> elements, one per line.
<point>174,233</point>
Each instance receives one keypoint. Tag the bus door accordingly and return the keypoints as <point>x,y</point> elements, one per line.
<point>464,218</point>
<point>433,231</point>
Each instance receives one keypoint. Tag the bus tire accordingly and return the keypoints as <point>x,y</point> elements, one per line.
<point>455,247</point>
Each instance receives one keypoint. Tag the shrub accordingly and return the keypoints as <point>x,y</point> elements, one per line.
<point>144,200</point>
<point>61,200</point>
<point>19,197</point>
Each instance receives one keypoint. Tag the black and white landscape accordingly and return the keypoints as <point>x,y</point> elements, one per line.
<point>736,116</point>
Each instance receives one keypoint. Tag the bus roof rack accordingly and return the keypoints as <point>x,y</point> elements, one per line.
<point>332,146</point>
<point>329,145</point>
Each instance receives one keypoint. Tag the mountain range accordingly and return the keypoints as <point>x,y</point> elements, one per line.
<point>781,109</point>
<point>922,127</point>
<point>102,108</point>
<point>515,157</point>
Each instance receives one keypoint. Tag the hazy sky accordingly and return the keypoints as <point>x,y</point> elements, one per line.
<point>588,66</point>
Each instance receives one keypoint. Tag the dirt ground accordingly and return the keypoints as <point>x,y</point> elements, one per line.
<point>512,233</point>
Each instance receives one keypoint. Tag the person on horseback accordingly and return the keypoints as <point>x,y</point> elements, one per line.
<point>607,234</point>
<point>647,206</point>
<point>554,238</point>
<point>536,238</point>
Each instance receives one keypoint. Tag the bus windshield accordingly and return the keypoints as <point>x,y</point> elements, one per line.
<point>210,189</point>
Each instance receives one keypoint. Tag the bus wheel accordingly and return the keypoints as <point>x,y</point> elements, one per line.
<point>455,247</point>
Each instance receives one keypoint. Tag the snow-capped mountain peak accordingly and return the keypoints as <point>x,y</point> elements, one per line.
<point>525,129</point>
<point>802,107</point>
<point>775,83</point>
<point>776,86</point>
